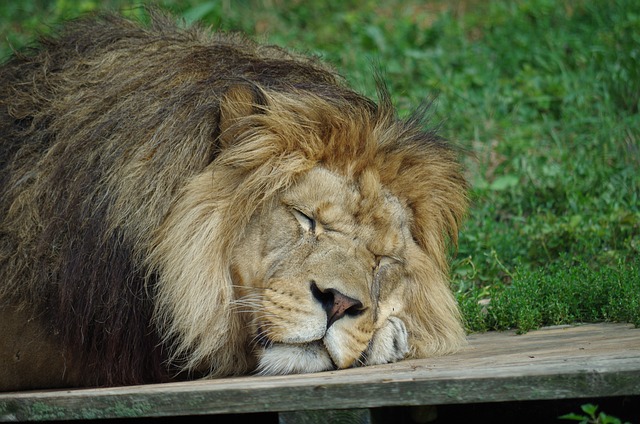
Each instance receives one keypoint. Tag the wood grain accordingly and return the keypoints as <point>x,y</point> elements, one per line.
<point>553,363</point>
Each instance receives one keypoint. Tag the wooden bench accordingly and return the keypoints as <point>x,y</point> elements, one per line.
<point>593,360</point>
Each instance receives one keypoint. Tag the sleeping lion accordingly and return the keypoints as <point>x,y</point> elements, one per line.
<point>176,204</point>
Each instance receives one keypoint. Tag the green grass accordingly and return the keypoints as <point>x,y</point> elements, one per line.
<point>544,96</point>
<point>564,292</point>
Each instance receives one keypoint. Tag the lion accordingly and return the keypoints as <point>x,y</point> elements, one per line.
<point>181,203</point>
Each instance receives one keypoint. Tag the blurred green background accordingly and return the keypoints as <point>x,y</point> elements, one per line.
<point>544,96</point>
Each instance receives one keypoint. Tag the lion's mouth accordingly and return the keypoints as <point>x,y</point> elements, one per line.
<point>265,342</point>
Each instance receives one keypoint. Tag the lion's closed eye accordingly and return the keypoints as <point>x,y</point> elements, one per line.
<point>384,261</point>
<point>305,220</point>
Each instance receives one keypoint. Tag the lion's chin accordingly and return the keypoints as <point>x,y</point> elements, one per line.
<point>280,359</point>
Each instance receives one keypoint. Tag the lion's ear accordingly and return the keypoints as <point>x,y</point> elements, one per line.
<point>239,101</point>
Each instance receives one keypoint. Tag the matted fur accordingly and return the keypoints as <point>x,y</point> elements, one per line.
<point>137,163</point>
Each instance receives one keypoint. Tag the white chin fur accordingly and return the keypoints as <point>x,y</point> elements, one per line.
<point>294,359</point>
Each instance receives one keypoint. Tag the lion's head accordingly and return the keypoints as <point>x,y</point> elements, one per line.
<point>330,238</point>
<point>190,202</point>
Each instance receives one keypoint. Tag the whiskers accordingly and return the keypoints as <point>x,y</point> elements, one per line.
<point>259,321</point>
<point>363,359</point>
<point>250,302</point>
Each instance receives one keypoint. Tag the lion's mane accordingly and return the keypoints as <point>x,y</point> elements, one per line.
<point>131,160</point>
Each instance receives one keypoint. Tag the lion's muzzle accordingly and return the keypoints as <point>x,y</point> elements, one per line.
<point>335,331</point>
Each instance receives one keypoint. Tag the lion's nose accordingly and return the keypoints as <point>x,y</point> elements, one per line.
<point>336,304</point>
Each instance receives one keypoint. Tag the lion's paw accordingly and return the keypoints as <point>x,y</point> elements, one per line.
<point>389,344</point>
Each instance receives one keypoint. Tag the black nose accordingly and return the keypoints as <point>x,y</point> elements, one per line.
<point>336,304</point>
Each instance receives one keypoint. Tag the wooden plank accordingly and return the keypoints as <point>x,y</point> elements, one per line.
<point>564,362</point>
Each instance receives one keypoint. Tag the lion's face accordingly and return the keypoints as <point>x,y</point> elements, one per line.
<point>315,240</point>
<point>321,273</point>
